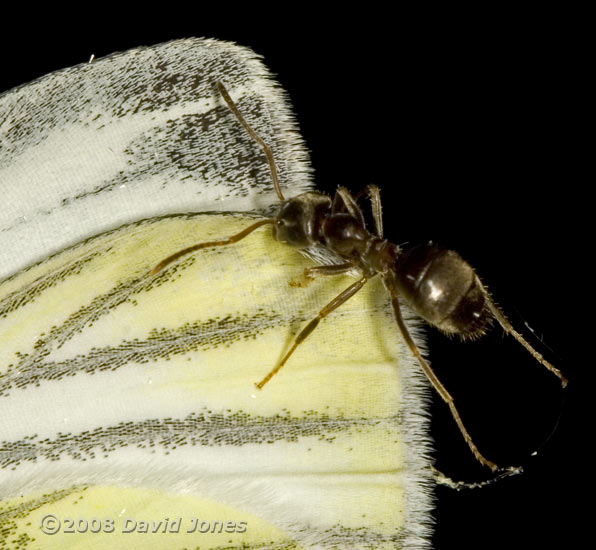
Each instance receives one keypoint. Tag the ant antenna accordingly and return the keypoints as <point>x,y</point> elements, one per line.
<point>255,136</point>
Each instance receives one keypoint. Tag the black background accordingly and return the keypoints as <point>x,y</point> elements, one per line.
<point>472,125</point>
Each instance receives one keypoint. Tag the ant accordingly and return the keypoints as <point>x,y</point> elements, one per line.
<point>441,287</point>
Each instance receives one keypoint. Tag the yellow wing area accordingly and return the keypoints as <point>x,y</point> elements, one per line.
<point>129,416</point>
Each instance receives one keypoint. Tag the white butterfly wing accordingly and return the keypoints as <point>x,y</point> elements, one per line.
<point>134,135</point>
<point>129,400</point>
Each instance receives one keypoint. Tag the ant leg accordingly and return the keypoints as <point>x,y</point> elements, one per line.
<point>432,377</point>
<point>351,204</point>
<point>344,198</point>
<point>255,136</point>
<point>230,240</point>
<point>374,195</point>
<point>508,328</point>
<point>334,304</point>
<point>323,270</point>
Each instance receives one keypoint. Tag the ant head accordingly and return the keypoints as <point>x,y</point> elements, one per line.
<point>298,221</point>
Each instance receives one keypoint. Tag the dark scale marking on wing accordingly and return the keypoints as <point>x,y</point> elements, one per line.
<point>9,515</point>
<point>337,537</point>
<point>154,95</point>
<point>363,538</point>
<point>205,429</point>
<point>201,147</point>
<point>118,234</point>
<point>36,366</point>
<point>20,298</point>
<point>32,369</point>
<point>126,90</point>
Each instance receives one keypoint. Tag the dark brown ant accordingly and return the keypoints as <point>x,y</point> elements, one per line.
<point>441,287</point>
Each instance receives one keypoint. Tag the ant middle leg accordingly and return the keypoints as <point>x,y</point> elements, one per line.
<point>344,199</point>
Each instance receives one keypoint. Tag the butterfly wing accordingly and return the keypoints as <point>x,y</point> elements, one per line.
<point>128,411</point>
<point>138,134</point>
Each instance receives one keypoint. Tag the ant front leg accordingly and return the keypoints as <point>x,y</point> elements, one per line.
<point>374,195</point>
<point>343,200</point>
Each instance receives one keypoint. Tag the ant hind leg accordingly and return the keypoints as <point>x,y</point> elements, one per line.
<point>432,377</point>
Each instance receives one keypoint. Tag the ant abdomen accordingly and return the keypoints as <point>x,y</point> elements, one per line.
<point>443,289</point>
